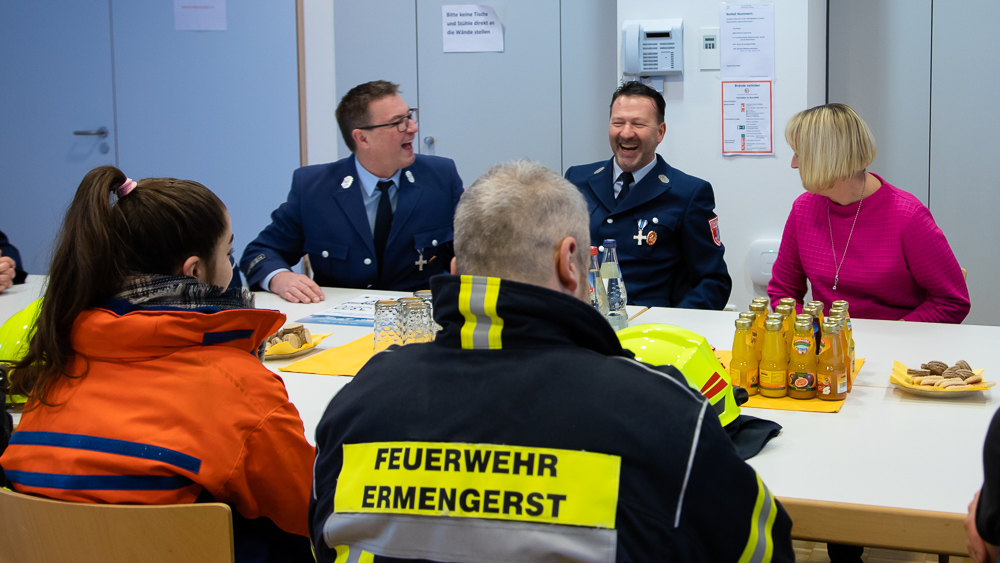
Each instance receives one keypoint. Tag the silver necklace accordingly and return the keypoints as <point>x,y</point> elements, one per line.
<point>836,274</point>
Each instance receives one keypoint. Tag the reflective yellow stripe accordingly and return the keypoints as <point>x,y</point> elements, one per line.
<point>464,299</point>
<point>343,552</point>
<point>477,301</point>
<point>490,306</point>
<point>366,557</point>
<point>760,548</point>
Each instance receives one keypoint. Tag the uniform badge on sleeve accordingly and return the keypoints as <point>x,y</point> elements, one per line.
<point>713,223</point>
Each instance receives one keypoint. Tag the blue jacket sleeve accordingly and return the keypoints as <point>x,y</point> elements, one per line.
<point>708,274</point>
<point>8,249</point>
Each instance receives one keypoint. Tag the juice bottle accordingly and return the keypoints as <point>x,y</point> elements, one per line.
<point>802,360</point>
<point>787,324</point>
<point>842,304</point>
<point>773,365</point>
<point>819,306</point>
<point>838,315</point>
<point>811,310</point>
<point>743,367</point>
<point>751,317</point>
<point>757,330</point>
<point>831,373</point>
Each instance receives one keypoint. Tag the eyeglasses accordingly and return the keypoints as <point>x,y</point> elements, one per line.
<point>232,259</point>
<point>401,125</point>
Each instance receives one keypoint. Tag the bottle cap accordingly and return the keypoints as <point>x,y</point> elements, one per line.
<point>593,251</point>
<point>785,309</point>
<point>610,243</point>
<point>775,316</point>
<point>804,324</point>
<point>840,303</point>
<point>743,323</point>
<point>748,315</point>
<point>772,324</point>
<point>787,301</point>
<point>805,317</point>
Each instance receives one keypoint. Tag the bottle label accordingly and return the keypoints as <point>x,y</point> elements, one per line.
<point>801,345</point>
<point>824,343</point>
<point>801,380</point>
<point>745,378</point>
<point>831,383</point>
<point>772,380</point>
<point>753,335</point>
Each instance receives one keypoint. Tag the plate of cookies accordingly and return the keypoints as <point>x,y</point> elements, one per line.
<point>291,341</point>
<point>938,379</point>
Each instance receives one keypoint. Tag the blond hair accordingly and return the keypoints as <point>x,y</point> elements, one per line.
<point>832,143</point>
<point>510,222</point>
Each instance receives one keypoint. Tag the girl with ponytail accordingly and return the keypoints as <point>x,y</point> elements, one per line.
<point>142,379</point>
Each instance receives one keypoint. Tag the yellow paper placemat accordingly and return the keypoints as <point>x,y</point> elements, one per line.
<point>342,360</point>
<point>788,403</point>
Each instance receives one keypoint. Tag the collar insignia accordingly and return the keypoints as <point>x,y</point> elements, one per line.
<point>409,176</point>
<point>347,182</point>
<point>599,170</point>
<point>664,179</point>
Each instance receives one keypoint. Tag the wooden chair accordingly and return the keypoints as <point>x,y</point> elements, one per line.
<point>35,529</point>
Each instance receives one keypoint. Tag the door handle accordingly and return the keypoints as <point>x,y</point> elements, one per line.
<point>102,132</point>
<point>428,141</point>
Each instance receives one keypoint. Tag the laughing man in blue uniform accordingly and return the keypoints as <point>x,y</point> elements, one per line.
<point>381,218</point>
<point>664,220</point>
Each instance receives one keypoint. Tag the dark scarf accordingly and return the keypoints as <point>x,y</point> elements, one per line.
<point>182,292</point>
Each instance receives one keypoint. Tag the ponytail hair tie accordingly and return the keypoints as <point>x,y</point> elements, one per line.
<point>124,189</point>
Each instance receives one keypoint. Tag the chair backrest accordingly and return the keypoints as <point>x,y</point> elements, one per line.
<point>35,529</point>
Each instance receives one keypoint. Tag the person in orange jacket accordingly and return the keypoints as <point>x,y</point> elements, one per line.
<point>142,378</point>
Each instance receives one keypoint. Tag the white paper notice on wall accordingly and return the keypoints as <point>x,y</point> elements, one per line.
<point>747,118</point>
<point>200,15</point>
<point>471,28</point>
<point>747,41</point>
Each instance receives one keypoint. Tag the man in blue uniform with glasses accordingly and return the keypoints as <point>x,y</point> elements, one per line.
<point>380,218</point>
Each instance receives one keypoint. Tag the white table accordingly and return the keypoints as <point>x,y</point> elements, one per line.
<point>883,448</point>
<point>886,445</point>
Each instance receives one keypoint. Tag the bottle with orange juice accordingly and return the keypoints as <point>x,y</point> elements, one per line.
<point>831,373</point>
<point>743,366</point>
<point>802,360</point>
<point>757,330</point>
<point>773,361</point>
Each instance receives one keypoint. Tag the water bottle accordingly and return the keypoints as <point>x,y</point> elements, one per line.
<point>598,293</point>
<point>615,286</point>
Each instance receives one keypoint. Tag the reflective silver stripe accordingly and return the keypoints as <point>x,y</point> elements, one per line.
<point>763,530</point>
<point>687,472</point>
<point>477,306</point>
<point>469,540</point>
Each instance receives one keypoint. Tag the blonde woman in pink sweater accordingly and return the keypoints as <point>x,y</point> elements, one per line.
<point>854,236</point>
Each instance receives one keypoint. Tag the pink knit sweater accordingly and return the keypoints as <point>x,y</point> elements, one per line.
<point>898,264</point>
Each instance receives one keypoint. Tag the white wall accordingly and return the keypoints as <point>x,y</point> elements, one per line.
<point>753,194</point>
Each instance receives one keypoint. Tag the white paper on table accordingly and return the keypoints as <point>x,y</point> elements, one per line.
<point>471,28</point>
<point>200,15</point>
<point>747,118</point>
<point>747,41</point>
<point>360,307</point>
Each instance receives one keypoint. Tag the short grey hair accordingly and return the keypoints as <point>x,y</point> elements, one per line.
<point>510,222</point>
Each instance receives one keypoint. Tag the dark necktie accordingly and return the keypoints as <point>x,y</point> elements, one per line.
<point>383,222</point>
<point>627,180</point>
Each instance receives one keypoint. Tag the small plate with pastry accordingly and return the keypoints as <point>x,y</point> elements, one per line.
<point>291,341</point>
<point>938,379</point>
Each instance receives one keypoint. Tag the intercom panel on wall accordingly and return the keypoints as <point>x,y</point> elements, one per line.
<point>653,47</point>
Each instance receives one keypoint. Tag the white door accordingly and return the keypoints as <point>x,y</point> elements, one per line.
<point>55,67</point>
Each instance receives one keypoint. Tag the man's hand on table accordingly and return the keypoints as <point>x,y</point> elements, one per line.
<point>980,551</point>
<point>7,272</point>
<point>296,288</point>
